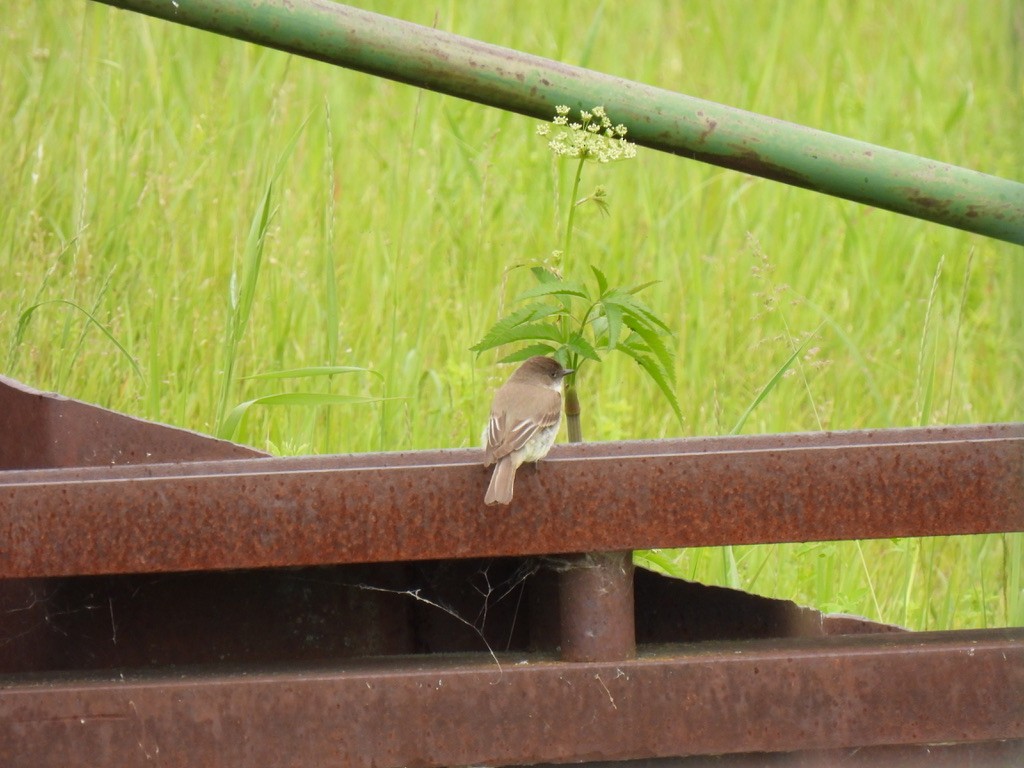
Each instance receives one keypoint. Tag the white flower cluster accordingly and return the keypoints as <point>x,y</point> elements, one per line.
<point>592,138</point>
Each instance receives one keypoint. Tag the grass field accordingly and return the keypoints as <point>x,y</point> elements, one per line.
<point>137,155</point>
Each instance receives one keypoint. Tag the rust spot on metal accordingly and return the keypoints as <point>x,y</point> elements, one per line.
<point>710,125</point>
<point>926,201</point>
<point>747,160</point>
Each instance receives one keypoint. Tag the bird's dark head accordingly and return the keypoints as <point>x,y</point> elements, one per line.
<point>542,371</point>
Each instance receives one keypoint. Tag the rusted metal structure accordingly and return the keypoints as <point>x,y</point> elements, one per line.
<point>370,611</point>
<point>166,597</point>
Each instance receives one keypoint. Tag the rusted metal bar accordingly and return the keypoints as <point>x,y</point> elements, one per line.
<point>762,696</point>
<point>429,505</point>
<point>45,430</point>
<point>657,118</point>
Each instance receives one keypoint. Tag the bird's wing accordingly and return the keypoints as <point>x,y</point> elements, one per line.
<point>511,427</point>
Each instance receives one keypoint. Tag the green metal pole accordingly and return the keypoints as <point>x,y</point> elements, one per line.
<point>659,119</point>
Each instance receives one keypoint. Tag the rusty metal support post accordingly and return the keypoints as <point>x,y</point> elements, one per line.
<point>596,607</point>
<point>595,590</point>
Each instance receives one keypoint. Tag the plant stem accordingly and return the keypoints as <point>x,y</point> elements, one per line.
<point>572,399</point>
<point>569,224</point>
<point>572,414</point>
<point>572,212</point>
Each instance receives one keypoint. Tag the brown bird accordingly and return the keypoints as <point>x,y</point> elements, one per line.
<point>524,422</point>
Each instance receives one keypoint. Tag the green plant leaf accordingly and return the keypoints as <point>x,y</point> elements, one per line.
<point>241,297</point>
<point>633,306</point>
<point>652,339</point>
<point>642,286</point>
<point>24,317</point>
<point>539,310</point>
<point>242,289</point>
<point>613,316</point>
<point>926,404</point>
<point>506,326</point>
<point>229,427</point>
<point>544,275</point>
<point>313,371</point>
<point>602,281</point>
<point>523,332</point>
<point>657,374</point>
<point>560,288</point>
<point>580,346</point>
<point>527,352</point>
<point>768,387</point>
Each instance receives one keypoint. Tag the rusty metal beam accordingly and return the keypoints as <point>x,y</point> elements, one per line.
<point>593,497</point>
<point>46,430</point>
<point>761,696</point>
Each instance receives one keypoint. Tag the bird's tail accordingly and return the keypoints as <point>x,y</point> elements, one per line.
<point>500,489</point>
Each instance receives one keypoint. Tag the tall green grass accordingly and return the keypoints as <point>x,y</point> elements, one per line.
<point>136,156</point>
